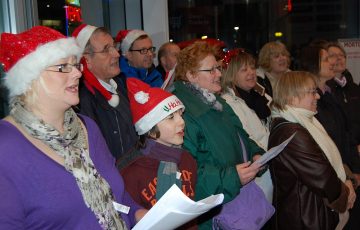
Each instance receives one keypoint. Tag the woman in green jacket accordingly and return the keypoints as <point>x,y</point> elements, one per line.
<point>214,134</point>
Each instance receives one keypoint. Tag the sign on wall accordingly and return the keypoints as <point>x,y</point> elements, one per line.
<point>352,49</point>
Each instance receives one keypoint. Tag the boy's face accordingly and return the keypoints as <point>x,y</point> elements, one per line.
<point>172,129</point>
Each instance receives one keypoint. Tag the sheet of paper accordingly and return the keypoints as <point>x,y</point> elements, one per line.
<point>273,152</point>
<point>169,78</point>
<point>175,209</point>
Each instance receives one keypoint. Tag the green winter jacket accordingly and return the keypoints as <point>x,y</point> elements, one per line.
<point>212,137</point>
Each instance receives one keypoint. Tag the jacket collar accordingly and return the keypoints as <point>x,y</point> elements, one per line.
<point>192,103</point>
<point>260,72</point>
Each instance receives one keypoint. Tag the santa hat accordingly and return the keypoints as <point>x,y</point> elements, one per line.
<point>127,37</point>
<point>24,56</point>
<point>82,34</point>
<point>149,105</point>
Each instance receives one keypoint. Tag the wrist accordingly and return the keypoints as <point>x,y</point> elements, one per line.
<point>353,181</point>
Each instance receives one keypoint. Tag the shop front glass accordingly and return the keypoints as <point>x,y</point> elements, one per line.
<point>251,23</point>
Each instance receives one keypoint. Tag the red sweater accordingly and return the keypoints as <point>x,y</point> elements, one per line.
<point>140,176</point>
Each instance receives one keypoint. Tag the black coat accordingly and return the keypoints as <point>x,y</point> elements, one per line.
<point>115,123</point>
<point>333,118</point>
<point>349,99</point>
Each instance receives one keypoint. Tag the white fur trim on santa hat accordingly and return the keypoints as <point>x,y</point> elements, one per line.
<point>114,100</point>
<point>18,79</point>
<point>141,97</point>
<point>84,35</point>
<point>129,39</point>
<point>158,113</point>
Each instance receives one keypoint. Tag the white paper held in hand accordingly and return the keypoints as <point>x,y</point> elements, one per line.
<point>175,209</point>
<point>273,152</point>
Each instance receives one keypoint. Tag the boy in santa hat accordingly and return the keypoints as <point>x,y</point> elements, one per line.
<point>137,54</point>
<point>102,96</point>
<point>157,116</point>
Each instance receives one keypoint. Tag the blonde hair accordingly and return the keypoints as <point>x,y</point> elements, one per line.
<point>228,78</point>
<point>290,85</point>
<point>268,50</point>
<point>189,58</point>
<point>31,96</point>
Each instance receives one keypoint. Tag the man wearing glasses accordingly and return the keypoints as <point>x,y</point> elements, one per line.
<point>102,96</point>
<point>138,52</point>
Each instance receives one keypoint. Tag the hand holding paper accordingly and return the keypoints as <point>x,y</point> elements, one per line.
<point>273,152</point>
<point>175,209</point>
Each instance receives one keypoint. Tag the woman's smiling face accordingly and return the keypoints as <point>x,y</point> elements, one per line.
<point>208,75</point>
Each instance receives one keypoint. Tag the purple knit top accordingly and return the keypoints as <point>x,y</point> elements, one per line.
<point>38,193</point>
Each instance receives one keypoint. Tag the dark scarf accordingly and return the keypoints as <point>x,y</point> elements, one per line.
<point>255,102</point>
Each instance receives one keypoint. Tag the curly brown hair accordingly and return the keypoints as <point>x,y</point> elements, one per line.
<point>190,57</point>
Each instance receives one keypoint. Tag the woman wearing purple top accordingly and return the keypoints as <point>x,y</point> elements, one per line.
<point>56,171</point>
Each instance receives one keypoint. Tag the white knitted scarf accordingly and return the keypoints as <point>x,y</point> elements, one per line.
<point>306,119</point>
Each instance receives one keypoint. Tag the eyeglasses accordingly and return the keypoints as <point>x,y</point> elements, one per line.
<point>336,55</point>
<point>212,70</point>
<point>311,91</point>
<point>145,50</point>
<point>107,49</point>
<point>66,67</point>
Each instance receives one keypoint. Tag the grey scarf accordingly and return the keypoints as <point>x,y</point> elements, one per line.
<point>72,146</point>
<point>204,95</point>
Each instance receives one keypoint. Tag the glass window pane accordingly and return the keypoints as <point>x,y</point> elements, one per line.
<point>252,23</point>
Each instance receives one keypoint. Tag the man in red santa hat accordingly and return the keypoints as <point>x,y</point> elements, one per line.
<point>137,54</point>
<point>102,96</point>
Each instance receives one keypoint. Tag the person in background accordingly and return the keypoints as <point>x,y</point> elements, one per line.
<point>167,58</point>
<point>337,51</point>
<point>137,54</point>
<point>344,89</point>
<point>347,94</point>
<point>213,133</point>
<point>238,84</point>
<point>273,60</point>
<point>102,95</point>
<point>56,170</point>
<point>158,120</point>
<point>310,185</point>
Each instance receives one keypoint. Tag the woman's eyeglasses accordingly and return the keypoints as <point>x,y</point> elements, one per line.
<point>66,67</point>
<point>212,70</point>
<point>311,91</point>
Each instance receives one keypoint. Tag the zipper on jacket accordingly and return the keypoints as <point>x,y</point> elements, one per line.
<point>118,128</point>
